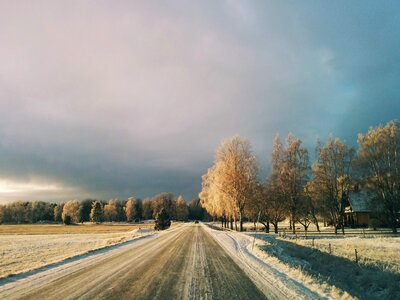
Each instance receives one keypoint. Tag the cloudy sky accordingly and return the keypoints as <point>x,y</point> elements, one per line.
<point>117,98</point>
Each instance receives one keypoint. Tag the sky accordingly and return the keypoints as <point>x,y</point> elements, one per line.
<point>111,99</point>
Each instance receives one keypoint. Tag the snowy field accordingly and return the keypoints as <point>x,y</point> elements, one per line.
<point>22,253</point>
<point>42,229</point>
<point>331,260</point>
<point>380,252</point>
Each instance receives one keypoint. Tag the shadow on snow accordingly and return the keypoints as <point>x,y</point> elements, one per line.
<point>364,282</point>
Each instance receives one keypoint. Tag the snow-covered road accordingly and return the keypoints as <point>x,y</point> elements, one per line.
<point>272,277</point>
<point>184,262</point>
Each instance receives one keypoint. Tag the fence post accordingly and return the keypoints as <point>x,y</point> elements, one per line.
<point>313,242</point>
<point>330,248</point>
<point>355,251</point>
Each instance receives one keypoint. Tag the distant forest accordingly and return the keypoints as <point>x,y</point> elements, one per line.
<point>91,210</point>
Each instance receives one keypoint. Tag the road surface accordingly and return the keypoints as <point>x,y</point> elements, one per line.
<point>181,263</point>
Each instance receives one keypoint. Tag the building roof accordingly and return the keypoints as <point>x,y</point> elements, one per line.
<point>360,202</point>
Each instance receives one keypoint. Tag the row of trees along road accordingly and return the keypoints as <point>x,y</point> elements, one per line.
<point>114,210</point>
<point>299,190</point>
<point>230,183</point>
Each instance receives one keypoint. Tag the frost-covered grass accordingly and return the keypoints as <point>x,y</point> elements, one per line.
<point>72,229</point>
<point>21,253</point>
<point>377,275</point>
<point>312,229</point>
<point>381,252</point>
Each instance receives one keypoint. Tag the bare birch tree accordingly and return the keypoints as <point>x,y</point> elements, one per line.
<point>72,211</point>
<point>236,175</point>
<point>276,206</point>
<point>111,210</point>
<point>182,210</point>
<point>211,199</point>
<point>130,209</point>
<point>229,184</point>
<point>332,179</point>
<point>293,166</point>
<point>379,154</point>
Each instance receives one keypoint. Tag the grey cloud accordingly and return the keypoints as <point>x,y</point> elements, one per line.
<point>114,99</point>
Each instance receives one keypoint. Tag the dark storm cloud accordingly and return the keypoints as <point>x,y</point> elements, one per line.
<point>107,99</point>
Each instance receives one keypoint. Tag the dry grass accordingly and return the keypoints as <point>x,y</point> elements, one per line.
<point>38,229</point>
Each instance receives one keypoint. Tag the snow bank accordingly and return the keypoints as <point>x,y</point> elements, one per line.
<point>142,231</point>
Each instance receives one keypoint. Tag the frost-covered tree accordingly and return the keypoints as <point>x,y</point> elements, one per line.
<point>164,201</point>
<point>270,206</point>
<point>96,213</point>
<point>3,214</point>
<point>332,179</point>
<point>305,210</point>
<point>209,197</point>
<point>58,209</point>
<point>133,209</point>
<point>230,183</point>
<point>71,211</point>
<point>255,209</point>
<point>379,156</point>
<point>315,204</point>
<point>276,208</point>
<point>86,208</point>
<point>182,211</point>
<point>40,211</point>
<point>138,209</point>
<point>292,169</point>
<point>163,220</point>
<point>111,211</point>
<point>147,209</point>
<point>130,209</point>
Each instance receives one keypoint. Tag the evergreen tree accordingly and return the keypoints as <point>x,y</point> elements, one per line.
<point>96,214</point>
<point>162,220</point>
<point>58,212</point>
<point>86,208</point>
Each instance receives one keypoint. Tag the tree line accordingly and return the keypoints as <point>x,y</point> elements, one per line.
<point>300,191</point>
<point>91,210</point>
